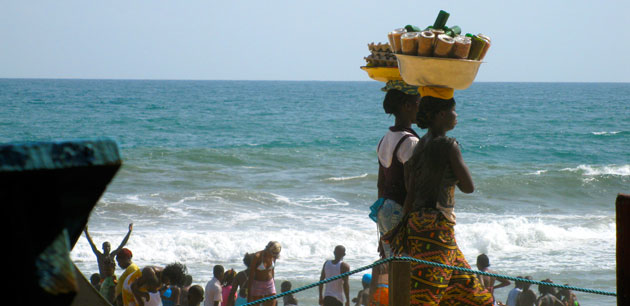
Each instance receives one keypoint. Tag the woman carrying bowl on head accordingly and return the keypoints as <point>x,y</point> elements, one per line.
<point>427,230</point>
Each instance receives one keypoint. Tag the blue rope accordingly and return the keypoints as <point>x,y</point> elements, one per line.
<point>435,264</point>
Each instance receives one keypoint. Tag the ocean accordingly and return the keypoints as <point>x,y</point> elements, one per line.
<point>215,169</point>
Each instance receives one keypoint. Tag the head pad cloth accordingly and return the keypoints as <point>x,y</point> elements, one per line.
<point>437,92</point>
<point>402,86</point>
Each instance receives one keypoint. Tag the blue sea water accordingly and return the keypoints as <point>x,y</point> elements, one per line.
<point>214,169</point>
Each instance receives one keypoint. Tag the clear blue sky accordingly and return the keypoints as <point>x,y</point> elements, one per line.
<point>535,40</point>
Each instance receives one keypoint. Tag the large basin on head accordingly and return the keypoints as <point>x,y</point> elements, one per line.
<point>437,71</point>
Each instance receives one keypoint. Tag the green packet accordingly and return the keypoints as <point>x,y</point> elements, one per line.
<point>412,28</point>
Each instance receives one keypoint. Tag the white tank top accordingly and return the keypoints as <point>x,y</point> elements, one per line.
<point>334,288</point>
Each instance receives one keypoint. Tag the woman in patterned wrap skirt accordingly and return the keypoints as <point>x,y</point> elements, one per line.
<point>426,231</point>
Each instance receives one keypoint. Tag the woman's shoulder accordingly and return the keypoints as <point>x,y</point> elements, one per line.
<point>444,140</point>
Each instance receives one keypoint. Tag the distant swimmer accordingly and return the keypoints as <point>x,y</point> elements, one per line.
<point>337,292</point>
<point>483,264</point>
<point>106,255</point>
<point>262,272</point>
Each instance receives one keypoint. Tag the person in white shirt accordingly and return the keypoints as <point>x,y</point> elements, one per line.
<point>338,291</point>
<point>214,291</point>
<point>513,295</point>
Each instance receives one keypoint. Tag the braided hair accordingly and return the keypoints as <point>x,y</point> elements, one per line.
<point>429,107</point>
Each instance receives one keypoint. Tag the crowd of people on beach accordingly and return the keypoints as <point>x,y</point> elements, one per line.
<point>172,285</point>
<point>415,217</point>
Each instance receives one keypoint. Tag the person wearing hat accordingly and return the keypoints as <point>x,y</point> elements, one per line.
<point>363,296</point>
<point>261,273</point>
<point>427,232</point>
<point>123,258</point>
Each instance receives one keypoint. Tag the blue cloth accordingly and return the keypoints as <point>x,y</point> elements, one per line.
<point>167,294</point>
<point>240,301</point>
<point>375,208</point>
<point>367,278</point>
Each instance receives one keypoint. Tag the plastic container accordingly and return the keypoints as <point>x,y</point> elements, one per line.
<point>438,72</point>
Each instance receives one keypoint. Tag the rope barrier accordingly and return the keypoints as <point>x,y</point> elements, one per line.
<point>430,263</point>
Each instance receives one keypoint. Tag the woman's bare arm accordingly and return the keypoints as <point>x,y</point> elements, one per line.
<point>465,182</point>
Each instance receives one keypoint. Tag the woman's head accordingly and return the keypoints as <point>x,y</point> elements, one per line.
<point>399,104</point>
<point>436,113</point>
<point>274,248</point>
<point>247,259</point>
<point>174,274</point>
<point>228,277</point>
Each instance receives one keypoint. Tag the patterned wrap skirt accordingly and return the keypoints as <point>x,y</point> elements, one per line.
<point>429,236</point>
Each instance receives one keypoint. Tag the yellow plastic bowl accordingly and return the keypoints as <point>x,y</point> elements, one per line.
<point>437,71</point>
<point>383,74</point>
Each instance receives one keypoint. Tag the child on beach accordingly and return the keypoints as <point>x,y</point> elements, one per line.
<point>240,281</point>
<point>289,299</point>
<point>363,296</point>
<point>226,286</point>
<point>195,296</point>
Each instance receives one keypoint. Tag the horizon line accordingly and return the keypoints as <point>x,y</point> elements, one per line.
<point>254,80</point>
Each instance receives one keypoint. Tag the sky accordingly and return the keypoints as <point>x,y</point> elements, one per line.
<point>324,40</point>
